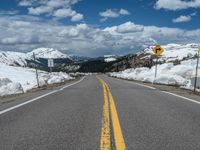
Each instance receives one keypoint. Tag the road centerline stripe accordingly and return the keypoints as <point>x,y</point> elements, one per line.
<point>105,130</point>
<point>118,136</point>
<point>119,139</point>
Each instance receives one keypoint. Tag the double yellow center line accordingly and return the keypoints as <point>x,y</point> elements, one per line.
<point>109,109</point>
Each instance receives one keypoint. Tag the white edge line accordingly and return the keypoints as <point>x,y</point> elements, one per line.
<point>185,98</point>
<point>132,82</point>
<point>37,98</point>
<point>150,87</point>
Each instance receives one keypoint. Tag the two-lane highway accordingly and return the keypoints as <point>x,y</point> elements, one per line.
<point>103,113</point>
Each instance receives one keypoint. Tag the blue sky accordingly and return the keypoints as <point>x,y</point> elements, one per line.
<point>93,27</point>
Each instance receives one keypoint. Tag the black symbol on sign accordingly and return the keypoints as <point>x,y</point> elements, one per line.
<point>158,49</point>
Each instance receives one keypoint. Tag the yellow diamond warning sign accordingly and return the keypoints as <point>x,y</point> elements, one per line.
<point>158,50</point>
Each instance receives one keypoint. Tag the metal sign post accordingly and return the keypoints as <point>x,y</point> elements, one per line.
<point>158,50</point>
<point>36,71</point>
<point>156,67</point>
<point>196,74</point>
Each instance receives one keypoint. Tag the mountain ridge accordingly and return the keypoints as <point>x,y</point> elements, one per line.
<point>70,63</point>
<point>20,59</point>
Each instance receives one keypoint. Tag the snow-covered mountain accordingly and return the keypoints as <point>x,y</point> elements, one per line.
<point>47,53</point>
<point>13,58</point>
<point>20,59</point>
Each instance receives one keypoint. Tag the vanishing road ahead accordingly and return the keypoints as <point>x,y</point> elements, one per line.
<point>102,113</point>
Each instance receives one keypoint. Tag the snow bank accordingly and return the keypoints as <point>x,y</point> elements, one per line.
<point>58,77</point>
<point>15,80</point>
<point>167,73</point>
<point>8,87</point>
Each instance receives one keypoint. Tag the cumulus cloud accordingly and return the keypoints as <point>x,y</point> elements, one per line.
<point>129,27</point>
<point>39,10</point>
<point>183,18</point>
<point>9,12</point>
<point>124,12</point>
<point>177,4</point>
<point>77,17</point>
<point>63,13</point>
<point>56,8</point>
<point>20,33</point>
<point>113,13</point>
<point>25,3</point>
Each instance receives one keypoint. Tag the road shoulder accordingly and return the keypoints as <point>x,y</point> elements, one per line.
<point>167,88</point>
<point>12,100</point>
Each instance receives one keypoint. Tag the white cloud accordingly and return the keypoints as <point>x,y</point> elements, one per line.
<point>177,4</point>
<point>9,12</point>
<point>124,12</point>
<point>113,13</point>
<point>183,18</point>
<point>20,33</point>
<point>9,40</point>
<point>40,10</point>
<point>63,13</point>
<point>56,8</point>
<point>25,3</point>
<point>109,13</point>
<point>129,27</point>
<point>77,17</point>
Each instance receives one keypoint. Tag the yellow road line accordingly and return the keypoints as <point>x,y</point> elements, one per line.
<point>105,132</point>
<point>119,140</point>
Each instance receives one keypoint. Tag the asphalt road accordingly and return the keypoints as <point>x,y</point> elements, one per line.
<point>124,115</point>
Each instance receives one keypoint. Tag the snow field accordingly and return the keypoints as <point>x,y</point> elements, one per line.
<point>14,80</point>
<point>167,73</point>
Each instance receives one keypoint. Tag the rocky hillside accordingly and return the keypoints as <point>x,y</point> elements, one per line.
<point>174,53</point>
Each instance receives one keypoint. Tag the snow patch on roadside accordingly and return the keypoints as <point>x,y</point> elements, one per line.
<point>168,74</point>
<point>8,87</point>
<point>14,80</point>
